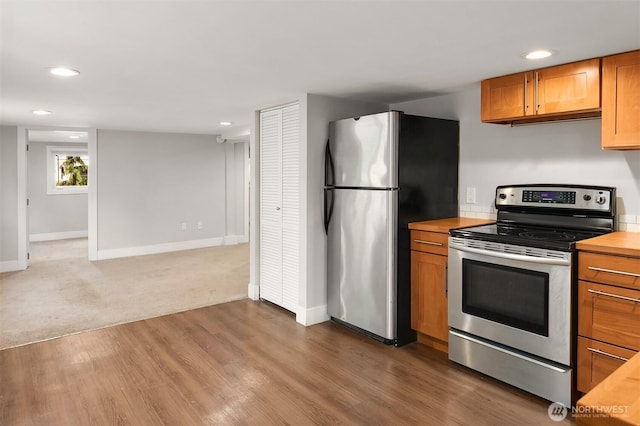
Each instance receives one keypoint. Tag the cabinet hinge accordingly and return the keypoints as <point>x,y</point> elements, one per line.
<point>27,147</point>
<point>28,255</point>
<point>27,201</point>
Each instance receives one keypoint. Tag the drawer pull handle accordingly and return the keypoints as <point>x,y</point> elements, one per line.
<point>598,351</point>
<point>431,243</point>
<point>602,293</point>
<point>613,271</point>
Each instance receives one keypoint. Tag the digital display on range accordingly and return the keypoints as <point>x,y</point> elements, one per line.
<point>558,197</point>
<point>551,195</point>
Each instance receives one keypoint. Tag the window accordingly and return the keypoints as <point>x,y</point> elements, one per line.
<point>67,170</point>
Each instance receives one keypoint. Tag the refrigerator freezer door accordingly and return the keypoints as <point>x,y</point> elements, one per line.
<point>364,151</point>
<point>361,281</point>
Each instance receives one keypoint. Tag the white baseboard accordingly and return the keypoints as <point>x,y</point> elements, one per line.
<point>243,239</point>
<point>10,266</point>
<point>230,240</point>
<point>311,316</point>
<point>159,248</point>
<point>253,292</point>
<point>50,236</point>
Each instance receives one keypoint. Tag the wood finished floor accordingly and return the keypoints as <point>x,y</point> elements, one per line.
<point>247,362</point>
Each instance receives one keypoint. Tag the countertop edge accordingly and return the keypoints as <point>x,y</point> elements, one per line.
<point>443,226</point>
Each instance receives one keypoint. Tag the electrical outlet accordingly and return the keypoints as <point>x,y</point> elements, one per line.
<point>471,195</point>
<point>200,225</point>
<point>183,226</point>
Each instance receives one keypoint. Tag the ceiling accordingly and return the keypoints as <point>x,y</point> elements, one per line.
<point>185,65</point>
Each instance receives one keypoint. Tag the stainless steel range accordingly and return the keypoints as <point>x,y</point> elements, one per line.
<point>512,285</point>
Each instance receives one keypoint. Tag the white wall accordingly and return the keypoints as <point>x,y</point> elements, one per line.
<point>8,198</point>
<point>240,156</point>
<point>235,164</point>
<point>52,216</point>
<point>560,152</point>
<point>147,185</point>
<point>150,183</point>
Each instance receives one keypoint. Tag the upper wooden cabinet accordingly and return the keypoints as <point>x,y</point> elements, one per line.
<point>505,97</point>
<point>621,101</point>
<point>568,88</point>
<point>564,91</point>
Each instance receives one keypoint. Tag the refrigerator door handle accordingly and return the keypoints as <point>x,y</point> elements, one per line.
<point>326,223</point>
<point>328,209</point>
<point>329,169</point>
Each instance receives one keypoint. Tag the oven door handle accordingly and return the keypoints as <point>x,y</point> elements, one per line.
<point>510,256</point>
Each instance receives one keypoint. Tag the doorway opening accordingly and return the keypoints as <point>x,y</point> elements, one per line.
<point>57,189</point>
<point>56,178</point>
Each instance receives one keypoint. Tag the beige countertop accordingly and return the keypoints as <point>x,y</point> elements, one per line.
<point>444,225</point>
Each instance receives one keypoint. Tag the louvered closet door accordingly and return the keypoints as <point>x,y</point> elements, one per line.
<point>279,206</point>
<point>270,206</point>
<point>290,207</point>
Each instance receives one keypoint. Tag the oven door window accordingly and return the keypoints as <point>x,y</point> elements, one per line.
<point>511,296</point>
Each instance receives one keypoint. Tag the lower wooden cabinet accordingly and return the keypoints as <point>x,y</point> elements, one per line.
<point>429,257</point>
<point>429,295</point>
<point>597,360</point>
<point>608,315</point>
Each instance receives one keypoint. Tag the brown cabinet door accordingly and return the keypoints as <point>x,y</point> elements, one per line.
<point>621,101</point>
<point>506,97</point>
<point>565,88</point>
<point>428,294</point>
<point>609,314</point>
<point>596,361</point>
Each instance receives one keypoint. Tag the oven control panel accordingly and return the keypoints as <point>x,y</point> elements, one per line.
<point>551,196</point>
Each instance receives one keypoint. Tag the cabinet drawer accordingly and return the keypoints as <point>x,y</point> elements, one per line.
<point>610,314</point>
<point>597,360</point>
<point>616,270</point>
<point>430,242</point>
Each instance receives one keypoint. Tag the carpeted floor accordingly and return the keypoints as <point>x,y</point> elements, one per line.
<point>63,293</point>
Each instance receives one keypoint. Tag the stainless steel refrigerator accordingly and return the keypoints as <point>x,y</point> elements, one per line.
<point>383,171</point>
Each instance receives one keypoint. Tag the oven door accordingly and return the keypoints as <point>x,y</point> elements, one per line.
<point>517,296</point>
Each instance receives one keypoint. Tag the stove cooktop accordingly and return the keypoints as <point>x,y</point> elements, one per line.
<point>547,238</point>
<point>547,216</point>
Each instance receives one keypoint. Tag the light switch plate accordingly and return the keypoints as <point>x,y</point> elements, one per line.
<point>471,195</point>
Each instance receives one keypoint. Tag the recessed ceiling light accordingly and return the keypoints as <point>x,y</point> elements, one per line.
<point>74,137</point>
<point>41,112</point>
<point>538,54</point>
<point>64,72</point>
<point>225,123</point>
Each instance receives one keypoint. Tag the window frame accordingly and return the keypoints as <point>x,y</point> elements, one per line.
<point>52,188</point>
